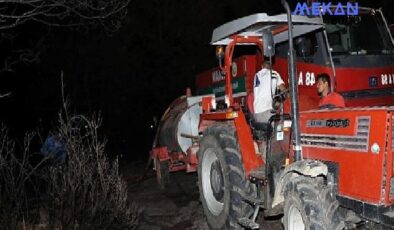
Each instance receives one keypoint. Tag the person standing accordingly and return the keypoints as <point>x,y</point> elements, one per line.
<point>266,82</point>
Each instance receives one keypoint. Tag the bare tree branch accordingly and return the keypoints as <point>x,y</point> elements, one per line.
<point>26,55</point>
<point>5,95</point>
<point>79,14</point>
<point>82,190</point>
<point>61,12</point>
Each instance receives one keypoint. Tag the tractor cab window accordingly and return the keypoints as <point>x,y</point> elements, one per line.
<point>361,34</point>
<point>306,47</point>
<point>309,48</point>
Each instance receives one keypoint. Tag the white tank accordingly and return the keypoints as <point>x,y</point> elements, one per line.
<point>180,120</point>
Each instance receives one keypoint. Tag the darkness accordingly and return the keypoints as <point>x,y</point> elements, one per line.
<point>127,76</point>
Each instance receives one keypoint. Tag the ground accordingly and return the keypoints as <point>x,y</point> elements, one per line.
<point>179,208</point>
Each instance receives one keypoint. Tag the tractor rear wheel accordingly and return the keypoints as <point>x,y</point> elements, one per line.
<point>162,174</point>
<point>222,180</point>
<point>310,204</point>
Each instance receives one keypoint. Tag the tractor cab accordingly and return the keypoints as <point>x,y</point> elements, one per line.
<point>358,44</point>
<point>349,34</point>
<point>356,51</point>
<point>262,31</point>
<point>361,67</point>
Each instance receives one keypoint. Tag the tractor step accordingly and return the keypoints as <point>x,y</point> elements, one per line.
<point>248,223</point>
<point>252,200</point>
<point>258,177</point>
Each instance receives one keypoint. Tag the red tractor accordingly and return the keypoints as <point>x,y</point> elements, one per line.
<point>320,169</point>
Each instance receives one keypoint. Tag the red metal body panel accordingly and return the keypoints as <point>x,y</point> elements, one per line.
<point>386,100</point>
<point>250,159</point>
<point>206,103</point>
<point>357,79</point>
<point>390,160</point>
<point>350,79</point>
<point>247,67</point>
<point>177,168</point>
<point>347,80</point>
<point>178,160</point>
<point>161,153</point>
<point>306,74</point>
<point>216,116</point>
<point>360,172</point>
<point>191,158</point>
<point>205,79</point>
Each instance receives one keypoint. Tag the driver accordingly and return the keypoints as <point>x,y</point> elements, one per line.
<point>266,82</point>
<point>328,99</point>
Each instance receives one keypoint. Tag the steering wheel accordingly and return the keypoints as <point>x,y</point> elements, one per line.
<point>279,98</point>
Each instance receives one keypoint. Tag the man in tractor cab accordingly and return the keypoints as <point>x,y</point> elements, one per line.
<point>328,99</point>
<point>266,83</point>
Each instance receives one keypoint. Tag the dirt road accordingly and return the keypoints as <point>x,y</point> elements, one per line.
<point>179,208</point>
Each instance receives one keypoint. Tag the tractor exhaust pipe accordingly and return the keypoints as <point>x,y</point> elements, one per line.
<point>294,89</point>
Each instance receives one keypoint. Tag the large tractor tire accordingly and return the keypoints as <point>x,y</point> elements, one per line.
<point>309,204</point>
<point>221,179</point>
<point>162,174</point>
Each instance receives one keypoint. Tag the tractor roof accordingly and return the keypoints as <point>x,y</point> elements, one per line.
<point>254,25</point>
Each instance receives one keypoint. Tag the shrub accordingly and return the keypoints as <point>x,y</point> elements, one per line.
<point>85,191</point>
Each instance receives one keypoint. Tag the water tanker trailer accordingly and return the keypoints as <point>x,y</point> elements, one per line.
<point>175,138</point>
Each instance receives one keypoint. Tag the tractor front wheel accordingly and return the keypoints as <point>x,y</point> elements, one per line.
<point>222,180</point>
<point>310,205</point>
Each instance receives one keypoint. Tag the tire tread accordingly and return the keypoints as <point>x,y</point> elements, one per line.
<point>318,203</point>
<point>239,185</point>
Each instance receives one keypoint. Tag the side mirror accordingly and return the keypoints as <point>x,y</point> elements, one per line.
<point>269,44</point>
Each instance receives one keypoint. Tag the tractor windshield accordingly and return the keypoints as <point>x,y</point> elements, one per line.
<point>361,34</point>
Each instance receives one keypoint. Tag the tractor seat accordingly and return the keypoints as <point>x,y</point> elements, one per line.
<point>260,130</point>
<point>261,126</point>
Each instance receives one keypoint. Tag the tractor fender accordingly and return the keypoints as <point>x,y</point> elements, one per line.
<point>311,168</point>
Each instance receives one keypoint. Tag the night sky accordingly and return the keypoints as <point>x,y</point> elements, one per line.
<point>129,75</point>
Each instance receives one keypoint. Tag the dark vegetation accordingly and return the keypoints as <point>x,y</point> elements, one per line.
<point>84,191</point>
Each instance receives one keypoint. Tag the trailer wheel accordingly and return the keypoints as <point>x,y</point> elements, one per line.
<point>310,204</point>
<point>162,174</point>
<point>221,179</point>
